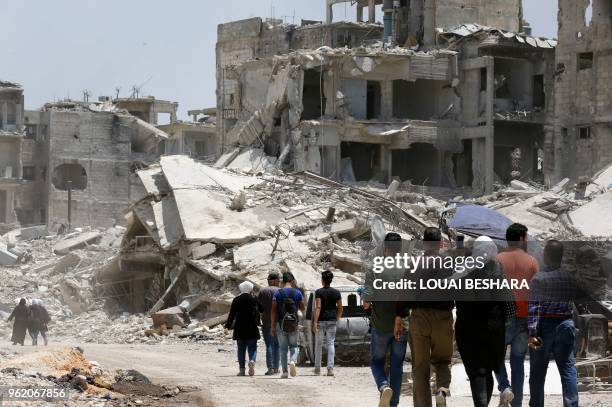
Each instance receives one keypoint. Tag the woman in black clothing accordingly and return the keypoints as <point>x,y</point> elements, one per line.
<point>21,315</point>
<point>244,320</point>
<point>480,326</point>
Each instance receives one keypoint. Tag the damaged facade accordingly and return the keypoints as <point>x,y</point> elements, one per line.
<point>87,150</point>
<point>434,96</point>
<point>582,142</point>
<point>11,140</point>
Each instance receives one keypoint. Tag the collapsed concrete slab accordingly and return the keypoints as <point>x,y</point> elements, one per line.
<point>79,241</point>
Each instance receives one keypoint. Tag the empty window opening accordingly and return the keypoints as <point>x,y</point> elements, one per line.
<point>418,100</point>
<point>11,118</point>
<point>539,97</point>
<point>588,14</point>
<point>483,79</point>
<point>30,131</point>
<point>29,173</point>
<point>513,84</point>
<point>344,39</point>
<point>365,159</point>
<point>585,61</point>
<point>74,173</point>
<point>313,98</point>
<point>462,165</point>
<point>373,100</point>
<point>163,118</point>
<point>417,164</point>
<point>584,133</point>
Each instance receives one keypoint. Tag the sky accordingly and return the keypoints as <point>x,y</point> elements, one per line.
<point>57,49</point>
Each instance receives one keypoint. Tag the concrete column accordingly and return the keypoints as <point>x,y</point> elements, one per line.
<point>371,11</point>
<point>385,159</point>
<point>359,13</point>
<point>329,12</point>
<point>386,95</point>
<point>490,139</point>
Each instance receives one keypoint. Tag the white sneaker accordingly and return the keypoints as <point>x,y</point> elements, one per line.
<point>441,397</point>
<point>385,396</point>
<point>285,375</point>
<point>506,397</point>
<point>292,369</point>
<point>317,371</point>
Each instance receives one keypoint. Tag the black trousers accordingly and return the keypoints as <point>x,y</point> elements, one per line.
<point>481,384</point>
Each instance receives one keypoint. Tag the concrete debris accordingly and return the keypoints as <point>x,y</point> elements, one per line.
<point>68,244</point>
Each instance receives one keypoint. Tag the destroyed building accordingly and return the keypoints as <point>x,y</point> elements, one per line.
<point>11,139</point>
<point>88,151</point>
<point>449,96</point>
<point>195,138</point>
<point>149,109</point>
<point>582,143</point>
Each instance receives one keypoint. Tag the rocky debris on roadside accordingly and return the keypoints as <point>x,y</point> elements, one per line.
<point>85,382</point>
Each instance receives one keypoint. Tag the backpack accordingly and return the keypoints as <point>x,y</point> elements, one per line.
<point>288,316</point>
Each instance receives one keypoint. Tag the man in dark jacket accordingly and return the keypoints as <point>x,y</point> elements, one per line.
<point>244,320</point>
<point>21,315</point>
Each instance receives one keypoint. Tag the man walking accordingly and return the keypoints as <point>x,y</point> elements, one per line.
<point>264,300</point>
<point>431,330</point>
<point>516,264</point>
<point>328,310</point>
<point>383,340</point>
<point>284,322</point>
<point>551,328</point>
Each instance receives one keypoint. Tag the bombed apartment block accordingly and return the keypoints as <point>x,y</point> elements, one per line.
<point>11,138</point>
<point>582,142</point>
<point>433,96</point>
<point>151,110</point>
<point>91,151</point>
<point>196,138</point>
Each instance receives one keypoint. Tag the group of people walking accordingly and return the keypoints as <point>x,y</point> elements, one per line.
<point>33,319</point>
<point>485,326</point>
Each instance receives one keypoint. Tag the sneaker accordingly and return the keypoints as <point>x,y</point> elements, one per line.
<point>441,397</point>
<point>251,368</point>
<point>506,397</point>
<point>269,372</point>
<point>241,373</point>
<point>276,371</point>
<point>292,369</point>
<point>330,371</point>
<point>385,396</point>
<point>317,371</point>
<point>285,375</point>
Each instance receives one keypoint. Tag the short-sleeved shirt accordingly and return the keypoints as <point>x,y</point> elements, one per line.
<point>517,264</point>
<point>264,298</point>
<point>279,298</point>
<point>329,303</point>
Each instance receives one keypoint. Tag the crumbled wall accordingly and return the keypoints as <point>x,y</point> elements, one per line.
<point>583,93</point>
<point>101,144</point>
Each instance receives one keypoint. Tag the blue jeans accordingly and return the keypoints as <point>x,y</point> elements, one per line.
<point>382,342</point>
<point>558,337</point>
<point>327,329</point>
<point>287,343</point>
<point>251,345</point>
<point>272,350</point>
<point>517,335</point>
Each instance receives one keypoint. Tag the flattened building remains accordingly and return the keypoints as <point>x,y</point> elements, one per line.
<point>435,96</point>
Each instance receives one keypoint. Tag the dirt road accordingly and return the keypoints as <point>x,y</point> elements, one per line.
<point>213,368</point>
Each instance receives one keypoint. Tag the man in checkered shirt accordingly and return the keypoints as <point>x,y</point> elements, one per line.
<point>551,328</point>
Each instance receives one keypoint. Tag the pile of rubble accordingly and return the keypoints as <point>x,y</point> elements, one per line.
<point>202,230</point>
<point>77,381</point>
<point>565,211</point>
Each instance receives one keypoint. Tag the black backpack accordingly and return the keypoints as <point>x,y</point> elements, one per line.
<point>289,318</point>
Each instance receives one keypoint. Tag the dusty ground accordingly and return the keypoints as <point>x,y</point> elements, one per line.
<point>213,369</point>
